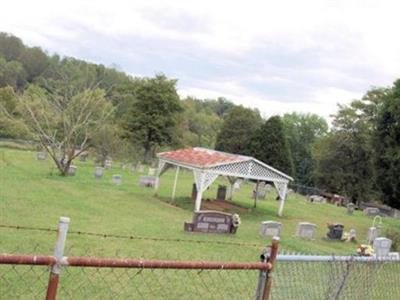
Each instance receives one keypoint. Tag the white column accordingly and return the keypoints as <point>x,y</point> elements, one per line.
<point>175,182</point>
<point>199,188</point>
<point>282,189</point>
<point>161,165</point>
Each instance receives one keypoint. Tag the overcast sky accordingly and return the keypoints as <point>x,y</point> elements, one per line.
<point>279,56</point>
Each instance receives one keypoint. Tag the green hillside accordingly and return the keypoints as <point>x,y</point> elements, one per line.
<point>32,194</point>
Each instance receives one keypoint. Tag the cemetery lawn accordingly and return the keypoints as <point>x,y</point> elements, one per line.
<point>32,194</point>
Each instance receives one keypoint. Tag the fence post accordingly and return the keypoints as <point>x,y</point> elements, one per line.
<point>265,278</point>
<point>271,259</point>
<point>58,254</point>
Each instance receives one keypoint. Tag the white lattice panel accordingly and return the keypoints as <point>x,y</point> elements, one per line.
<point>249,169</point>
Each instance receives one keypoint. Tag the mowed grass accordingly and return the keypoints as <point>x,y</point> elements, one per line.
<point>32,194</point>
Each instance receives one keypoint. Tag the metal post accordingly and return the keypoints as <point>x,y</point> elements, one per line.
<point>271,259</point>
<point>199,195</point>
<point>175,182</point>
<point>58,254</point>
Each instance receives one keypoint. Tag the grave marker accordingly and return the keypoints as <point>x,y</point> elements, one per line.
<point>107,164</point>
<point>117,179</point>
<point>270,228</point>
<point>72,170</point>
<point>306,230</point>
<point>98,172</point>
<point>41,155</point>
<point>371,211</point>
<point>373,233</point>
<point>382,246</point>
<point>350,208</point>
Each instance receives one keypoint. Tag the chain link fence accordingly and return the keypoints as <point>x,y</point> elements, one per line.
<point>341,277</point>
<point>295,276</point>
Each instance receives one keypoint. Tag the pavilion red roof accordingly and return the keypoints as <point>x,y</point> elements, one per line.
<point>201,157</point>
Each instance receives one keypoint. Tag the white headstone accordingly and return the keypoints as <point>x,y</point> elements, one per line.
<point>132,168</point>
<point>72,170</point>
<point>372,234</point>
<point>108,164</point>
<point>317,199</point>
<point>236,185</point>
<point>371,211</point>
<point>270,228</point>
<point>140,168</point>
<point>151,172</point>
<point>394,255</point>
<point>41,155</point>
<point>98,172</point>
<point>306,230</point>
<point>117,179</point>
<point>350,208</point>
<point>382,246</point>
<point>123,166</point>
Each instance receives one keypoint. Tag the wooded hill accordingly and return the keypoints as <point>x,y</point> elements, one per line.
<point>66,104</point>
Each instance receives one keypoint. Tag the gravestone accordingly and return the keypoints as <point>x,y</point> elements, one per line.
<point>317,199</point>
<point>72,170</point>
<point>148,181</point>
<point>372,234</point>
<point>306,230</point>
<point>221,192</point>
<point>210,222</point>
<point>133,168</point>
<point>140,168</point>
<point>261,191</point>
<point>107,164</point>
<point>335,231</point>
<point>151,172</point>
<point>98,172</point>
<point>117,179</point>
<point>123,166</point>
<point>350,208</point>
<point>352,235</point>
<point>394,255</point>
<point>236,186</point>
<point>83,156</point>
<point>270,228</point>
<point>382,246</point>
<point>41,155</point>
<point>371,211</point>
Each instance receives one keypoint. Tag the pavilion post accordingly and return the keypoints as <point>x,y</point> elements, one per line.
<point>199,187</point>
<point>175,182</point>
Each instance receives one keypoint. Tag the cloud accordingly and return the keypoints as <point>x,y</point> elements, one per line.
<point>278,56</point>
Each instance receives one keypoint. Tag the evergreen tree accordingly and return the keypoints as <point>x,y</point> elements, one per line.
<point>269,144</point>
<point>387,147</point>
<point>238,127</point>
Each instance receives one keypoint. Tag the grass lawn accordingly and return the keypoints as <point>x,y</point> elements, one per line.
<point>32,194</point>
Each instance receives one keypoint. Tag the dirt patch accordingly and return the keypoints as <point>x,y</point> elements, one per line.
<point>225,206</point>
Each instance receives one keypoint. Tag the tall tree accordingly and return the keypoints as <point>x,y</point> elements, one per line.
<point>154,116</point>
<point>269,144</point>
<point>238,127</point>
<point>345,159</point>
<point>387,146</point>
<point>302,130</point>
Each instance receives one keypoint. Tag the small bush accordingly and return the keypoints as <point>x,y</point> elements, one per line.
<point>394,235</point>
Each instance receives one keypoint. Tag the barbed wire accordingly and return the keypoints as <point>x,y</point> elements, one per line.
<point>133,237</point>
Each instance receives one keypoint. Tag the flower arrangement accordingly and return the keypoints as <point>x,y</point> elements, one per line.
<point>365,250</point>
<point>236,220</point>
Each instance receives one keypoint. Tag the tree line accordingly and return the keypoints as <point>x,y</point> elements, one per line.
<point>70,106</point>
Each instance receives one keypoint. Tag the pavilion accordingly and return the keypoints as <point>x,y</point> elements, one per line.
<point>208,164</point>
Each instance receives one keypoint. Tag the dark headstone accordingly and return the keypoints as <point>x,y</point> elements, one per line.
<point>221,192</point>
<point>211,222</point>
<point>335,231</point>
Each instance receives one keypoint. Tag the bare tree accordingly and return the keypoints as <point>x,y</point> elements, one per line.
<point>64,125</point>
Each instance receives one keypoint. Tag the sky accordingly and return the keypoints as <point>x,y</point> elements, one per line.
<point>277,56</point>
